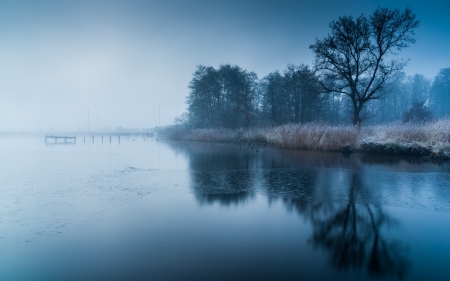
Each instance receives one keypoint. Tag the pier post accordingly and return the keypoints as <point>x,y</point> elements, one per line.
<point>66,139</point>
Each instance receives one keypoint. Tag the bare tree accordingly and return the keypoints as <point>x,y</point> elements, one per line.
<point>353,59</point>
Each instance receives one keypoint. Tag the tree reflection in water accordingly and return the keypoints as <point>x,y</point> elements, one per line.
<point>224,199</point>
<point>219,173</point>
<point>353,233</point>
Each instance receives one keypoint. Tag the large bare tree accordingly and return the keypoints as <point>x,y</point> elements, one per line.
<point>355,59</point>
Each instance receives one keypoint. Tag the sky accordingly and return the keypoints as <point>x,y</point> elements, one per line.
<point>130,62</point>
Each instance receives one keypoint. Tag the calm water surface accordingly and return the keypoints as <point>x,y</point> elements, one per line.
<point>148,210</point>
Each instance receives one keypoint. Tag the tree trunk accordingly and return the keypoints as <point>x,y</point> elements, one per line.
<point>356,112</point>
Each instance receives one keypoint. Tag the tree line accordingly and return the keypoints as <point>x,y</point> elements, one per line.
<point>355,78</point>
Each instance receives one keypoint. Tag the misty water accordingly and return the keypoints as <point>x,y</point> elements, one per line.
<point>144,209</point>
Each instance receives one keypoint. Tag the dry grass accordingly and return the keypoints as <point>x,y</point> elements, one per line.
<point>313,136</point>
<point>322,137</point>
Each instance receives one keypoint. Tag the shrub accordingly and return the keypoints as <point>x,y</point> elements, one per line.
<point>418,113</point>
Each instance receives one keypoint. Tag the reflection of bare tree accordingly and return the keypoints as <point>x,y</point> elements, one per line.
<point>352,233</point>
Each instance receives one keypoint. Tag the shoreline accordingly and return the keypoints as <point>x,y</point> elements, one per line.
<point>428,141</point>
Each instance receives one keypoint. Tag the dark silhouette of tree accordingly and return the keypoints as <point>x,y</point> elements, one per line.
<point>225,97</point>
<point>293,96</point>
<point>353,59</point>
<point>304,92</point>
<point>204,101</point>
<point>275,105</point>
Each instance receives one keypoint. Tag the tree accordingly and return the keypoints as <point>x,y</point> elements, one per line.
<point>418,113</point>
<point>353,59</point>
<point>294,96</point>
<point>276,103</point>
<point>440,93</point>
<point>394,101</point>
<point>275,99</point>
<point>419,87</point>
<point>204,100</point>
<point>303,92</point>
<point>222,98</point>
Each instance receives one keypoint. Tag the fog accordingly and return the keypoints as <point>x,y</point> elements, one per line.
<point>124,60</point>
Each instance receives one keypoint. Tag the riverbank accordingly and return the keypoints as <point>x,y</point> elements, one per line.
<point>427,140</point>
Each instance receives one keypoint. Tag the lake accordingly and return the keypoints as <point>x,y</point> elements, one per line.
<point>142,209</point>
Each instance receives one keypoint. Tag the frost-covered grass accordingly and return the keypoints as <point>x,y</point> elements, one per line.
<point>314,136</point>
<point>430,134</point>
<point>434,136</point>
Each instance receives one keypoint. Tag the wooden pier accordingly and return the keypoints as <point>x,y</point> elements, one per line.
<point>65,138</point>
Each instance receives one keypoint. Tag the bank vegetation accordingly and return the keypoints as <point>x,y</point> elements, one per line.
<point>427,139</point>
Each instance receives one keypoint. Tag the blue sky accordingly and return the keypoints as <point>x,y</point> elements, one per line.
<point>123,59</point>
